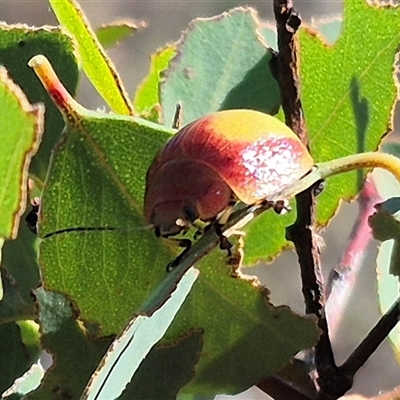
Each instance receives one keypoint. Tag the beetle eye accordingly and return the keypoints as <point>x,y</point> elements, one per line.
<point>190,213</point>
<point>157,232</point>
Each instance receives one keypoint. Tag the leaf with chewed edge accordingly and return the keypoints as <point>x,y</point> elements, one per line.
<point>130,348</point>
<point>94,251</point>
<point>348,91</point>
<point>355,82</point>
<point>147,94</point>
<point>111,34</point>
<point>75,355</point>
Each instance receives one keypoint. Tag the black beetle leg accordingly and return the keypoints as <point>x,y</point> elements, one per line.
<point>224,243</point>
<point>281,206</point>
<point>319,187</point>
<point>186,244</point>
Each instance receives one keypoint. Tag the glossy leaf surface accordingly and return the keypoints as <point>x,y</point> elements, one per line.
<point>131,348</point>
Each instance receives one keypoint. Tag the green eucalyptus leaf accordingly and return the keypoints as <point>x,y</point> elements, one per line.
<point>18,44</point>
<point>147,95</point>
<point>96,252</point>
<point>130,348</point>
<point>13,306</point>
<point>111,34</point>
<point>348,92</point>
<point>14,360</point>
<point>96,64</point>
<point>19,260</point>
<point>236,317</point>
<point>354,81</point>
<point>75,355</point>
<point>221,63</point>
<point>171,366</point>
<point>21,133</point>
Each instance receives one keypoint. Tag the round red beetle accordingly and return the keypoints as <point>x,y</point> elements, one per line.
<point>230,155</point>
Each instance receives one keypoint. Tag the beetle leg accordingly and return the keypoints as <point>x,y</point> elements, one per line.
<point>185,243</point>
<point>225,244</point>
<point>319,187</point>
<point>281,207</point>
<point>235,261</point>
<point>224,215</point>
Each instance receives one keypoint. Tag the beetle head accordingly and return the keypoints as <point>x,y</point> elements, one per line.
<point>181,190</point>
<point>172,217</point>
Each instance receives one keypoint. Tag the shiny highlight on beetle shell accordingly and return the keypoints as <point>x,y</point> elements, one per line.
<point>270,165</point>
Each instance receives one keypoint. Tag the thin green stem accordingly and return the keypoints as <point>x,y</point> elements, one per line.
<point>299,186</point>
<point>358,161</point>
<point>345,164</point>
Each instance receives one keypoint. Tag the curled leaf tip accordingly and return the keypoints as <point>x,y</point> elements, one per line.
<point>56,90</point>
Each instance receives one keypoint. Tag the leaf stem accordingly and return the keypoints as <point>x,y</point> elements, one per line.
<point>56,90</point>
<point>345,276</point>
<point>358,161</point>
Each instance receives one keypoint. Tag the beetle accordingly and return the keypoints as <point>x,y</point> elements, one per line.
<point>227,156</point>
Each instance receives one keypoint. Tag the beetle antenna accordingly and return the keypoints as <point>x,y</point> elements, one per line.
<point>145,227</point>
<point>177,122</point>
<point>97,228</point>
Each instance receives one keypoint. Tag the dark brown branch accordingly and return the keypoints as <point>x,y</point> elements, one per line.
<point>375,337</point>
<point>280,389</point>
<point>292,382</point>
<point>286,66</point>
<point>331,382</point>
